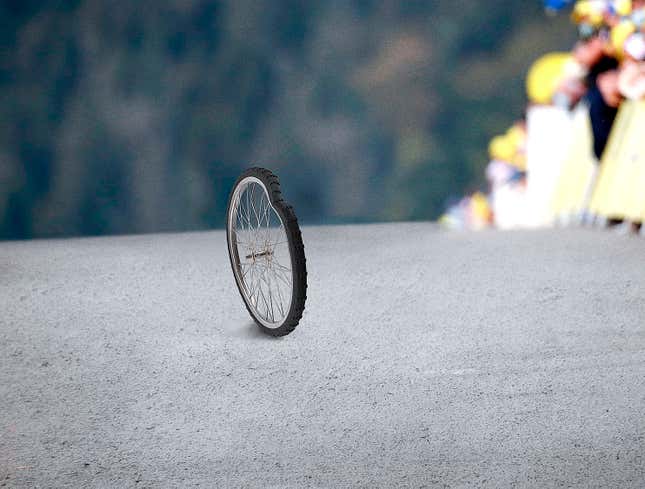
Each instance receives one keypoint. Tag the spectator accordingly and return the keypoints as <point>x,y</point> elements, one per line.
<point>593,53</point>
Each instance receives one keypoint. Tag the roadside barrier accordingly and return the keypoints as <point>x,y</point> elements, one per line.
<point>564,182</point>
<point>549,134</point>
<point>578,172</point>
<point>620,189</point>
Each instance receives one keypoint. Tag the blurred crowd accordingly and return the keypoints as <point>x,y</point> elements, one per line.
<point>604,69</point>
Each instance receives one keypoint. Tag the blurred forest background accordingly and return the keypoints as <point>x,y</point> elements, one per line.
<point>137,116</point>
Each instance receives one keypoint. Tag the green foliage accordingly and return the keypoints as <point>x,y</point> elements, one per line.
<point>138,116</point>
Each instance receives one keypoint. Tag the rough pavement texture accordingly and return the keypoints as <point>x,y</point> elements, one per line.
<point>425,359</point>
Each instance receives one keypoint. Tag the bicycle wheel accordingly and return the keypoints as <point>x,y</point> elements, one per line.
<point>266,252</point>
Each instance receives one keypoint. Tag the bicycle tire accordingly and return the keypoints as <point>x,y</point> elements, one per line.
<point>258,260</point>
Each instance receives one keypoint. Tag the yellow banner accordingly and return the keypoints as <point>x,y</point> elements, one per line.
<point>571,194</point>
<point>620,189</point>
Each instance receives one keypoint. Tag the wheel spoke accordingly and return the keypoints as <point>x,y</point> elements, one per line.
<point>281,267</point>
<point>285,279</point>
<point>260,238</point>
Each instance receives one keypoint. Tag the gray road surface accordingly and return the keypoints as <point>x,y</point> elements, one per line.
<point>425,359</point>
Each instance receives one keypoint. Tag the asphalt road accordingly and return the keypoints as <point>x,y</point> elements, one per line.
<point>425,359</point>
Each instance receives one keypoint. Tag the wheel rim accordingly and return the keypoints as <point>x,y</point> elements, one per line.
<point>259,249</point>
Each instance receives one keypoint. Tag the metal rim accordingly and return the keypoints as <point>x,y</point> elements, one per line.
<point>260,253</point>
